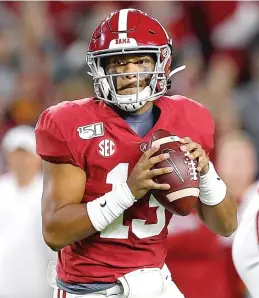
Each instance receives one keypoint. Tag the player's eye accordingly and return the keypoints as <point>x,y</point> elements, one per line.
<point>142,61</point>
<point>119,62</point>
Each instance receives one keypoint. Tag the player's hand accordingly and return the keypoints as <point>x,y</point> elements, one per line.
<point>195,152</point>
<point>140,180</point>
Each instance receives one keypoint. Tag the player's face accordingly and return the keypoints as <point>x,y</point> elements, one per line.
<point>127,84</point>
<point>233,155</point>
<point>20,159</point>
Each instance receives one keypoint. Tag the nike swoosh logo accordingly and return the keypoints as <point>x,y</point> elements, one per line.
<point>103,204</point>
<point>172,164</point>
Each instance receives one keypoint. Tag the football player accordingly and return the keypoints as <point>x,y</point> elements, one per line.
<point>98,211</point>
<point>245,250</point>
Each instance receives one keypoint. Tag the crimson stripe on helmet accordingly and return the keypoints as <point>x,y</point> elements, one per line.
<point>122,23</point>
<point>64,294</point>
<point>58,293</point>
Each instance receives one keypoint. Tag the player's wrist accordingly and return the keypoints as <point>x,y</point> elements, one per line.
<point>205,170</point>
<point>212,187</point>
<point>128,191</point>
<point>105,209</point>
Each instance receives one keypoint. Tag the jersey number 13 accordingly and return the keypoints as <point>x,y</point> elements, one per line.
<point>139,227</point>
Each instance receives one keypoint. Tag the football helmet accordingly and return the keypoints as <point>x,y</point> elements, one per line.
<point>130,31</point>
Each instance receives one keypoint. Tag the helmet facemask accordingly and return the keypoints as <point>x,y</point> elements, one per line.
<point>105,88</point>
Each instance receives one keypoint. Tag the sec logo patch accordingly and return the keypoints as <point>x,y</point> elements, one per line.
<point>106,148</point>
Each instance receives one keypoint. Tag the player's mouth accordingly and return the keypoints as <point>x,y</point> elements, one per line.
<point>130,90</point>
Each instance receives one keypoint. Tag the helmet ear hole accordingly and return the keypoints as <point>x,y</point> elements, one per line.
<point>154,56</point>
<point>103,63</point>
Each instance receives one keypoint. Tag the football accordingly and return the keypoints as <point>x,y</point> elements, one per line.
<point>181,198</point>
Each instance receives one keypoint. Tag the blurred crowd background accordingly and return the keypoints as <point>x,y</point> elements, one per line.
<point>42,62</point>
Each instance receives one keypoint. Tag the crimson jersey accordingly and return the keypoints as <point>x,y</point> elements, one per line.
<point>90,134</point>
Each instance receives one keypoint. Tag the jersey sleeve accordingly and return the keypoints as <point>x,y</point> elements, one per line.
<point>202,123</point>
<point>51,144</point>
<point>207,137</point>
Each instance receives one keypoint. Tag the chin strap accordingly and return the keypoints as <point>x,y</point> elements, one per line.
<point>176,70</point>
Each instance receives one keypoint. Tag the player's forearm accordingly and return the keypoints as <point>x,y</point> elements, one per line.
<point>66,226</point>
<point>74,222</point>
<point>221,218</point>
<point>217,208</point>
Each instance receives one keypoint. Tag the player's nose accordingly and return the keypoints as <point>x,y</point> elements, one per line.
<point>132,68</point>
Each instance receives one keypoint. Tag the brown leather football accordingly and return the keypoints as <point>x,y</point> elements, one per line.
<point>184,180</point>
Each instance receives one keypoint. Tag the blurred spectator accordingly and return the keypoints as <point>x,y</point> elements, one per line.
<point>8,72</point>
<point>24,255</point>
<point>29,98</point>
<point>236,164</point>
<point>246,97</point>
<point>214,92</point>
<point>72,88</point>
<point>214,24</point>
<point>236,161</point>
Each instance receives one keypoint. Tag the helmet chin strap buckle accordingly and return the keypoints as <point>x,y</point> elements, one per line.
<point>176,70</point>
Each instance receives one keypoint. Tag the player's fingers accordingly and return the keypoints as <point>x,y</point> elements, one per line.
<point>158,172</point>
<point>190,146</point>
<point>154,160</point>
<point>197,153</point>
<point>147,154</point>
<point>185,140</point>
<point>152,185</point>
